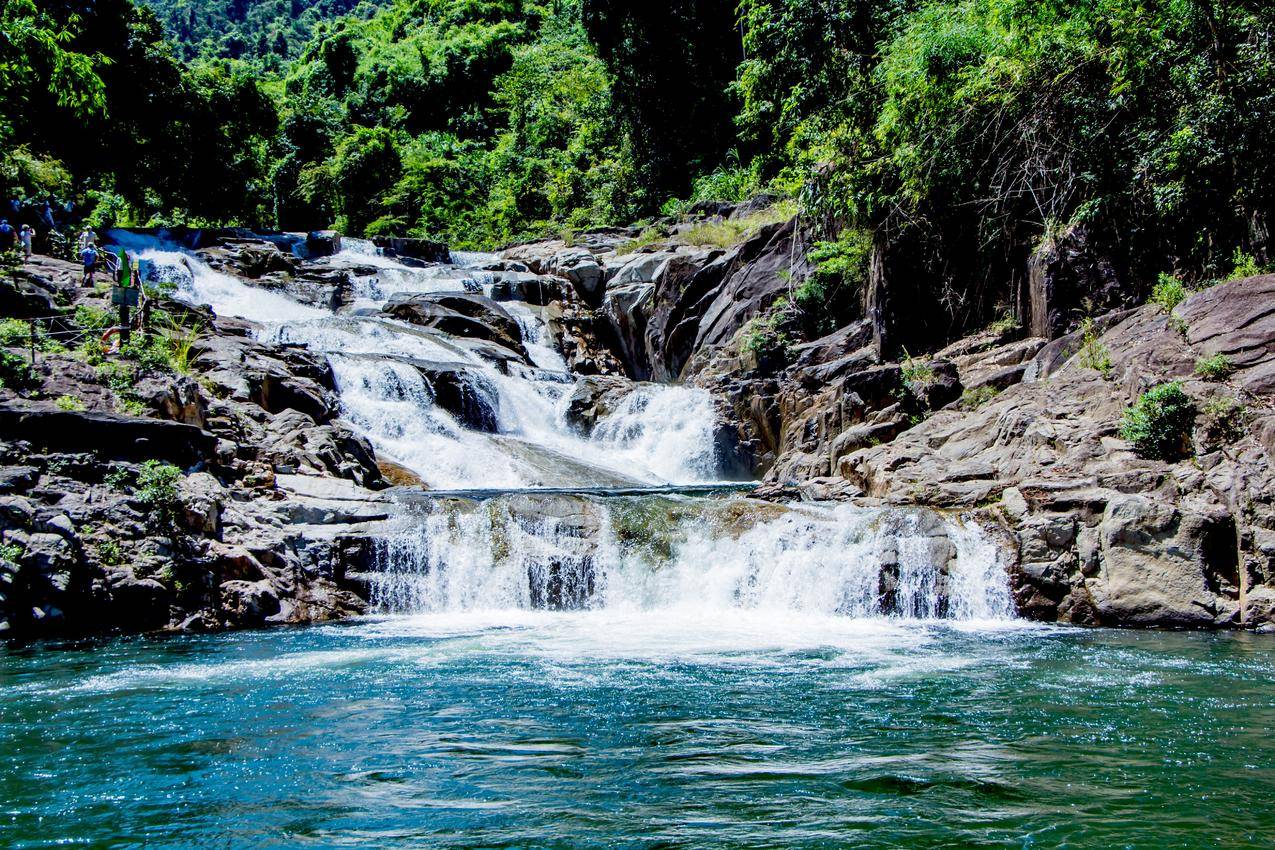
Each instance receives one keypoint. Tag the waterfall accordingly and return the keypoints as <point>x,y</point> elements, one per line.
<point>701,554</point>
<point>661,435</point>
<point>441,407</point>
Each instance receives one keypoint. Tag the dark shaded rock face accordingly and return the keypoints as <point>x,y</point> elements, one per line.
<point>107,435</point>
<point>595,398</point>
<point>467,395</point>
<point>422,250</point>
<point>1064,275</point>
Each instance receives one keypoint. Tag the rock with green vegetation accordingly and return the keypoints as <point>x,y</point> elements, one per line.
<point>1159,424</point>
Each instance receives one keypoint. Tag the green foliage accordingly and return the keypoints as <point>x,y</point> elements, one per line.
<point>1159,424</point>
<point>767,339</point>
<point>16,373</point>
<point>830,296</point>
<point>976,398</point>
<point>10,553</point>
<point>1244,265</point>
<point>14,333</point>
<point>733,185</point>
<point>110,553</point>
<point>917,374</point>
<point>157,488</point>
<point>1168,293</point>
<point>1216,368</point>
<point>648,237</point>
<point>1093,353</point>
<point>69,403</point>
<point>732,231</point>
<point>154,353</point>
<point>92,319</point>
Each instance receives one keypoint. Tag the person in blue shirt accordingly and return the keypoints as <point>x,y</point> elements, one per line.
<point>8,236</point>
<point>89,256</point>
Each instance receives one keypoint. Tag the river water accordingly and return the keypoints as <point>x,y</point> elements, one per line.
<point>595,669</point>
<point>669,730</point>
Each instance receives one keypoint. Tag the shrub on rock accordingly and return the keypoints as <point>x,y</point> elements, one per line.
<point>1159,424</point>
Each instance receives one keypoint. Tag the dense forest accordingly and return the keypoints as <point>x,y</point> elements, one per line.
<point>948,139</point>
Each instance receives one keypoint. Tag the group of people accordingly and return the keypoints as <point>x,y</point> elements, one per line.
<point>21,237</point>
<point>120,267</point>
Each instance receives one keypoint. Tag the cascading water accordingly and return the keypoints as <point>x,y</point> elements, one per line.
<point>393,404</point>
<point>690,555</point>
<point>536,551</point>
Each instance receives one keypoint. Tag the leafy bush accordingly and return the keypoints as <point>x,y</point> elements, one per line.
<point>10,553</point>
<point>830,295</point>
<point>92,319</point>
<point>1093,353</point>
<point>16,373</point>
<point>1244,265</point>
<point>1169,293</point>
<point>110,553</point>
<point>917,374</point>
<point>1159,424</point>
<point>69,403</point>
<point>154,485</point>
<point>1215,368</point>
<point>766,339</point>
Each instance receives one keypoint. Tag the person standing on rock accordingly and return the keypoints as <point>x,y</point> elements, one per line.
<point>7,235</point>
<point>25,236</point>
<point>87,238</point>
<point>89,256</point>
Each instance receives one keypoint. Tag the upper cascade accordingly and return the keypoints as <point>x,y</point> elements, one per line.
<point>417,377</point>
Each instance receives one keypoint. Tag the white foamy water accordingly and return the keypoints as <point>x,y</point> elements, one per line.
<point>660,435</point>
<point>694,557</point>
<point>680,561</point>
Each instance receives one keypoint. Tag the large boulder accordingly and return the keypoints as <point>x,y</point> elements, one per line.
<point>594,398</point>
<point>107,435</point>
<point>528,288</point>
<point>422,250</point>
<point>626,308</point>
<point>582,269</point>
<point>1069,277</point>
<point>1237,320</point>
<point>1160,566</point>
<point>459,314</point>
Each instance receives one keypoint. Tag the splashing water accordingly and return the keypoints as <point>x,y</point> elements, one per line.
<point>660,435</point>
<point>692,556</point>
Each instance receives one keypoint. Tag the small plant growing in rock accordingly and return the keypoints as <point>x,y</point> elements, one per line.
<point>10,553</point>
<point>765,338</point>
<point>1093,353</point>
<point>1226,421</point>
<point>1215,368</point>
<point>1168,293</point>
<point>976,398</point>
<point>16,373</point>
<point>119,479</point>
<point>916,374</point>
<point>157,489</point>
<point>110,553</point>
<point>69,403</point>
<point>1159,424</point>
<point>1244,265</point>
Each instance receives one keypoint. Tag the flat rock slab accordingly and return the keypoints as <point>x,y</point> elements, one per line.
<point>107,435</point>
